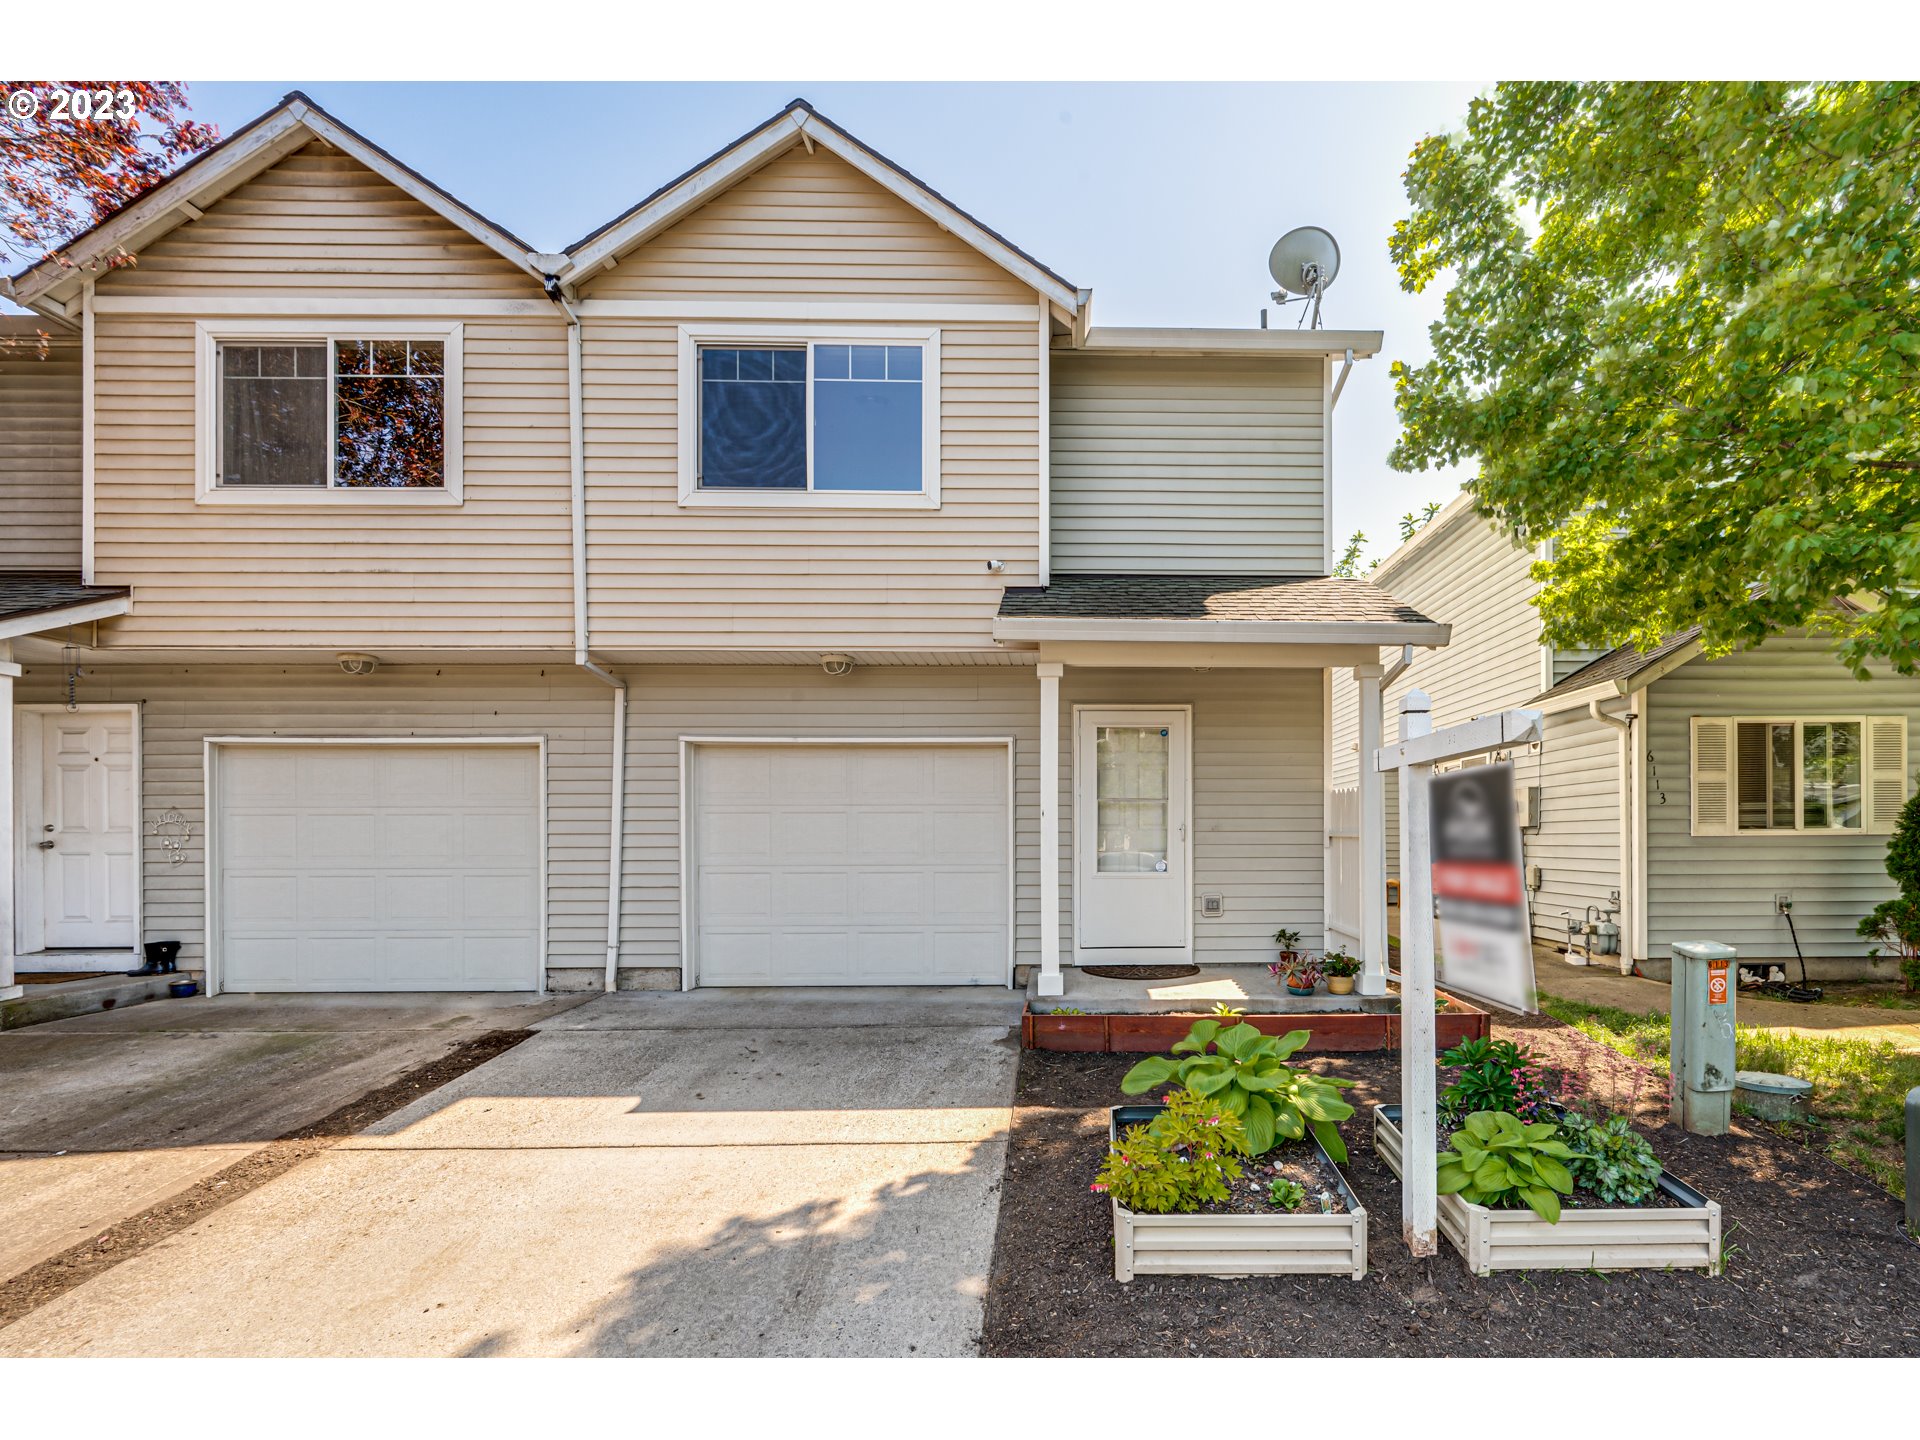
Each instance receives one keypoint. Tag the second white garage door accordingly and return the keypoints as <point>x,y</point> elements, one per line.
<point>855,864</point>
<point>377,867</point>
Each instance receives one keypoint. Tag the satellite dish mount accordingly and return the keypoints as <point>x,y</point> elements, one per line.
<point>1303,263</point>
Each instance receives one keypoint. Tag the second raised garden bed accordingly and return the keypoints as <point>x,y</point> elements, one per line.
<point>1683,1235</point>
<point>1236,1245</point>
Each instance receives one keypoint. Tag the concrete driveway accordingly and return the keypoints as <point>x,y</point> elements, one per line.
<point>722,1173</point>
<point>103,1115</point>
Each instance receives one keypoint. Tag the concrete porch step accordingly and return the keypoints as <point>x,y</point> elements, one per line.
<point>1251,988</point>
<point>41,1003</point>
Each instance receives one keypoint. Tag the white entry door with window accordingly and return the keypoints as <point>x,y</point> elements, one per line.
<point>1133,872</point>
<point>86,837</point>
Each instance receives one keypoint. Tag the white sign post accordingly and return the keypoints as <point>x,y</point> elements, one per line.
<point>1419,750</point>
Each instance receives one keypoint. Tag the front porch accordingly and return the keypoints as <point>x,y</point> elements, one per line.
<point>1192,829</point>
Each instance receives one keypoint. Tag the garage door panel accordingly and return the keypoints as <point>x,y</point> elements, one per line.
<point>813,896</point>
<point>890,835</point>
<point>849,864</point>
<point>379,868</point>
<point>816,834</point>
<point>729,897</point>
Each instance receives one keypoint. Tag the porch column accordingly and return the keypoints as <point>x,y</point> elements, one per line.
<point>1050,982</point>
<point>9,672</point>
<point>1373,837</point>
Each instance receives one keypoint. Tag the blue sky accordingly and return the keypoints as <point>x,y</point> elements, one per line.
<point>1163,198</point>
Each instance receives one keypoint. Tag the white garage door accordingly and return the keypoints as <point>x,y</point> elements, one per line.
<point>850,864</point>
<point>364,867</point>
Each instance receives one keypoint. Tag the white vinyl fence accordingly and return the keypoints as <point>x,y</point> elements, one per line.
<point>1343,871</point>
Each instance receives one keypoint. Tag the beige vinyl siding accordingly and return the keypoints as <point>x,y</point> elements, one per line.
<point>1258,799</point>
<point>1566,661</point>
<point>181,706</point>
<point>493,572</point>
<point>1199,465</point>
<point>807,227</point>
<point>39,448</point>
<point>320,223</point>
<point>1722,887</point>
<point>1577,842</point>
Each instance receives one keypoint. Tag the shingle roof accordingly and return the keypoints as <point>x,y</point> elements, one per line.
<point>30,594</point>
<point>1621,663</point>
<point>1297,598</point>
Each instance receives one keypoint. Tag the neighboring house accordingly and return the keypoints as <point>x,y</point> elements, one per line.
<point>784,585</point>
<point>1682,793</point>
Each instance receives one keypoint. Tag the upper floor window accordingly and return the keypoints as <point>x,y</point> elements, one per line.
<point>847,420</point>
<point>288,416</point>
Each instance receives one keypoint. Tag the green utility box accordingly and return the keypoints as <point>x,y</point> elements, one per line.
<point>1704,991</point>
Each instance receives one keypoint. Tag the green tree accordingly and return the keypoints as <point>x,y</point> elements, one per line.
<point>1895,923</point>
<point>1682,340</point>
<point>1348,567</point>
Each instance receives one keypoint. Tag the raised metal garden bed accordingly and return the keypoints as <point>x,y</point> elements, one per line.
<point>1685,1236</point>
<point>1236,1245</point>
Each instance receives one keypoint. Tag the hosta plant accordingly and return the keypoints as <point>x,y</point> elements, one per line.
<point>1180,1161</point>
<point>1497,1160</point>
<point>1286,1194</point>
<point>1610,1158</point>
<point>1248,1074</point>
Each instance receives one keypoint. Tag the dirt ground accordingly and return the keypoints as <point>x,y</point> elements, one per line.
<point>1818,1261</point>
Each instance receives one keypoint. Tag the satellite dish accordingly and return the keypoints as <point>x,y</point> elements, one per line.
<point>1303,263</point>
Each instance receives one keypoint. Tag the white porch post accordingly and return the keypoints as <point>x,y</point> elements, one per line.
<point>9,671</point>
<point>1419,1203</point>
<point>1050,982</point>
<point>1373,838</point>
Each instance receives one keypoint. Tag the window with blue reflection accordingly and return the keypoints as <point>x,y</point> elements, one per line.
<point>867,418</point>
<point>753,419</point>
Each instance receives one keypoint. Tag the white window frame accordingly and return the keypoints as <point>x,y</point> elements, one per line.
<point>692,337</point>
<point>208,338</point>
<point>1871,822</point>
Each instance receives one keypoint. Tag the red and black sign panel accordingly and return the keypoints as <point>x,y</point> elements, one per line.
<point>1486,943</point>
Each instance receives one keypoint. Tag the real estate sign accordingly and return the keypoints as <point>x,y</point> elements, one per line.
<point>1486,939</point>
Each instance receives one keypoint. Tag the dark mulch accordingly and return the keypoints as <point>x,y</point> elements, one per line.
<point>1819,1263</point>
<point>120,1242</point>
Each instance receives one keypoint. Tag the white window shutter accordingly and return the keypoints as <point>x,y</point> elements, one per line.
<point>1713,798</point>
<point>1886,771</point>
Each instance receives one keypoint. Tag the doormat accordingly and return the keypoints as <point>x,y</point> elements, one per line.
<point>1141,972</point>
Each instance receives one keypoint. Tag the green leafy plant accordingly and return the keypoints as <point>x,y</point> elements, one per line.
<point>1289,943</point>
<point>1610,1158</point>
<point>1249,1074</point>
<point>1499,1160</point>
<point>1226,1011</point>
<point>1895,923</point>
<point>1180,1161</point>
<point>1286,1194</point>
<point>1338,962</point>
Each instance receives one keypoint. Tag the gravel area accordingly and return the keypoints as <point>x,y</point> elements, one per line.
<point>1819,1263</point>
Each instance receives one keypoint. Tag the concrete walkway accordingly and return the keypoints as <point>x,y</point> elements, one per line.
<point>1596,985</point>
<point>722,1173</point>
<point>103,1115</point>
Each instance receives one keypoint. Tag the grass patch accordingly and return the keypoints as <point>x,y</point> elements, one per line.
<point>1859,1086</point>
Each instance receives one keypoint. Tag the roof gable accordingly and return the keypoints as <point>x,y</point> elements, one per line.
<point>293,124</point>
<point>801,125</point>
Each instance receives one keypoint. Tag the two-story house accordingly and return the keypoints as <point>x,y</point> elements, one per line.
<point>1676,795</point>
<point>784,585</point>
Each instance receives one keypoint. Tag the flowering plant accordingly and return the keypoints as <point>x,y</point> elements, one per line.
<point>1180,1161</point>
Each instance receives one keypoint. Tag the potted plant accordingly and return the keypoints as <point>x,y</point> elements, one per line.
<point>1341,968</point>
<point>1302,976</point>
<point>1243,1179</point>
<point>1289,943</point>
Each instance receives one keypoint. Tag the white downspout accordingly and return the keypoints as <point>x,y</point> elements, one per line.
<point>1624,728</point>
<point>582,655</point>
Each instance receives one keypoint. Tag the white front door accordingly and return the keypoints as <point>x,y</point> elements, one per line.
<point>89,829</point>
<point>1134,876</point>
